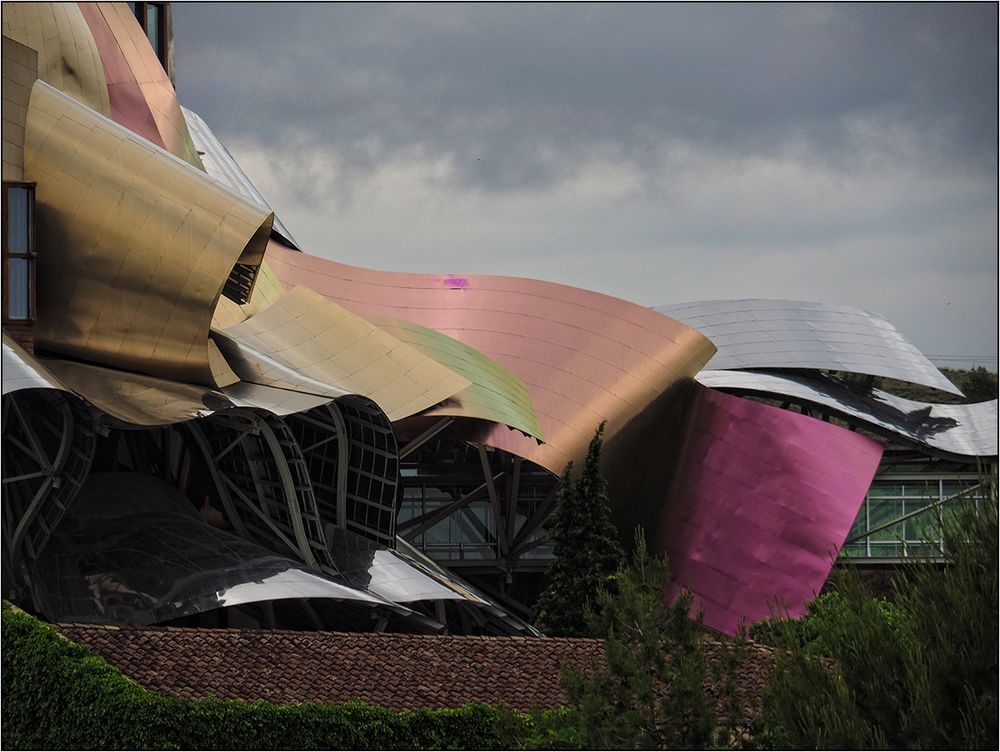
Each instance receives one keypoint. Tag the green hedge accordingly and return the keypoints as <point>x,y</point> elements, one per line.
<point>59,695</point>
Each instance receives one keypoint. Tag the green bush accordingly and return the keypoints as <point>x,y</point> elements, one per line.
<point>920,675</point>
<point>59,695</point>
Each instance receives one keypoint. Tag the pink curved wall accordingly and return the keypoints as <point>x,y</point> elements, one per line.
<point>761,501</point>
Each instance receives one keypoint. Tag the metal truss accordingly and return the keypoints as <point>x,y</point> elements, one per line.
<point>351,453</point>
<point>263,483</point>
<point>497,477</point>
<point>48,447</point>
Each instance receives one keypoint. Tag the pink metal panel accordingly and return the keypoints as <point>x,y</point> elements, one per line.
<point>583,356</point>
<point>128,105</point>
<point>761,500</point>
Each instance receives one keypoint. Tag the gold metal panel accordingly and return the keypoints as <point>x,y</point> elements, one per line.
<point>135,398</point>
<point>20,69</point>
<point>495,394</point>
<point>307,343</point>
<point>134,245</point>
<point>267,290</point>
<point>68,57</point>
<point>153,81</point>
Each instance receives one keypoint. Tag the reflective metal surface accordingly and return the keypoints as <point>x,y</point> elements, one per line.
<point>135,398</point>
<point>495,394</point>
<point>966,430</point>
<point>219,163</point>
<point>68,57</point>
<point>583,357</point>
<point>132,550</point>
<point>142,97</point>
<point>21,370</point>
<point>134,246</point>
<point>797,334</point>
<point>20,71</point>
<point>307,343</point>
<point>760,501</point>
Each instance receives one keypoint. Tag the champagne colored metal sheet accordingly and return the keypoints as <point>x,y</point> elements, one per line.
<point>495,393</point>
<point>266,290</point>
<point>68,57</point>
<point>797,334</point>
<point>584,357</point>
<point>20,70</point>
<point>21,370</point>
<point>140,88</point>
<point>761,501</point>
<point>219,163</point>
<point>963,430</point>
<point>304,342</point>
<point>134,245</point>
<point>135,398</point>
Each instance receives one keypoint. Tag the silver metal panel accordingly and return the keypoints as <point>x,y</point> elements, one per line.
<point>965,430</point>
<point>756,333</point>
<point>22,371</point>
<point>367,564</point>
<point>219,163</point>
<point>132,550</point>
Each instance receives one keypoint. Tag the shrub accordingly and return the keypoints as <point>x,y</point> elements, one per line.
<point>924,678</point>
<point>58,695</point>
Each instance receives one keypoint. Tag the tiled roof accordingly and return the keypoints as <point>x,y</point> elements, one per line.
<point>391,670</point>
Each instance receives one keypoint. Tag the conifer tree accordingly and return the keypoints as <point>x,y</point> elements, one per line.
<point>587,551</point>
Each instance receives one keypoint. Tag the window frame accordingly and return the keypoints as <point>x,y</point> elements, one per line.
<point>30,255</point>
<point>142,16</point>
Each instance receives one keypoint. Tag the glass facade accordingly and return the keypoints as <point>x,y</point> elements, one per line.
<point>877,534</point>
<point>18,251</point>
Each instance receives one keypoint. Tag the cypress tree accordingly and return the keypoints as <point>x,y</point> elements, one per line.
<point>587,551</point>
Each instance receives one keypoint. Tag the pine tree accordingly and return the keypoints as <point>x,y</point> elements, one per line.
<point>587,551</point>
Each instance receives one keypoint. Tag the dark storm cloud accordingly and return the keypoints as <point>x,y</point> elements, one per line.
<point>843,153</point>
<point>530,89</point>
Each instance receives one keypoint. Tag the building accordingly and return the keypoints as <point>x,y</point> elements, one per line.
<point>205,423</point>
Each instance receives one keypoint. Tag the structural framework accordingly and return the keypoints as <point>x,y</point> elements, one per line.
<point>202,420</point>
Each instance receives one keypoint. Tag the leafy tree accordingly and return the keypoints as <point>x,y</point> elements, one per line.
<point>587,551</point>
<point>926,678</point>
<point>652,692</point>
<point>979,385</point>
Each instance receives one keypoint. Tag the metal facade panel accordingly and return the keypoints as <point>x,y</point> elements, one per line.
<point>142,96</point>
<point>21,370</point>
<point>583,357</point>
<point>495,394</point>
<point>134,245</point>
<point>966,430</point>
<point>757,333</point>
<point>219,163</point>
<point>68,56</point>
<point>307,343</point>
<point>762,500</point>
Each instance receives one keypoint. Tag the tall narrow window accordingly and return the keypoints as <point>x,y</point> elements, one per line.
<point>151,17</point>
<point>18,254</point>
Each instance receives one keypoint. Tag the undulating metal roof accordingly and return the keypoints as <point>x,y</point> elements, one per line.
<point>21,370</point>
<point>219,163</point>
<point>758,333</point>
<point>966,430</point>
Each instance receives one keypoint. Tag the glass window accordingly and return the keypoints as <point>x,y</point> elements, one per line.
<point>18,288</point>
<point>154,12</point>
<point>18,219</point>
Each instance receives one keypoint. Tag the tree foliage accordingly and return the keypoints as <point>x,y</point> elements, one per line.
<point>652,693</point>
<point>587,551</point>
<point>923,677</point>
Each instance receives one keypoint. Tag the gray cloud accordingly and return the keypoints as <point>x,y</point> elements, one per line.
<point>657,152</point>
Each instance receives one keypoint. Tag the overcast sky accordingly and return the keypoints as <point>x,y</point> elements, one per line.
<point>661,153</point>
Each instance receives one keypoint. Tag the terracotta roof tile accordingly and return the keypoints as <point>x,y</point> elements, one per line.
<point>392,670</point>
